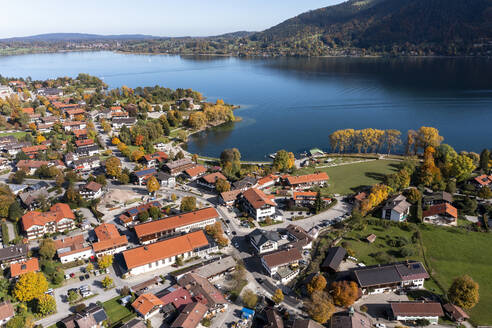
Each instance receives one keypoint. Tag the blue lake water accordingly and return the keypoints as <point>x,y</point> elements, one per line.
<point>295,103</point>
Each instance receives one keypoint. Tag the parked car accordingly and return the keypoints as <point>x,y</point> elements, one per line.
<point>283,236</point>
<point>81,278</point>
<point>380,325</point>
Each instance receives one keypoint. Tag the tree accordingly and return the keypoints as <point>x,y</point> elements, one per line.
<point>107,282</point>
<point>101,179</point>
<point>105,261</point>
<point>420,215</point>
<point>230,161</point>
<point>113,166</point>
<point>250,299</point>
<point>47,249</point>
<point>485,160</point>
<point>462,167</point>
<point>137,155</point>
<point>73,296</point>
<point>15,212</point>
<point>152,185</point>
<point>174,197</point>
<point>19,321</point>
<point>46,304</point>
<point>485,193</point>
<point>344,293</point>
<point>188,204</point>
<point>89,267</point>
<point>320,307</point>
<point>115,141</point>
<point>413,195</point>
<point>18,177</point>
<point>123,178</point>
<point>222,185</point>
<point>30,285</point>
<point>155,212</point>
<point>392,139</point>
<point>278,296</point>
<point>7,198</point>
<point>143,216</point>
<point>317,283</point>
<point>464,292</point>
<point>428,137</point>
<point>318,203</point>
<point>283,160</point>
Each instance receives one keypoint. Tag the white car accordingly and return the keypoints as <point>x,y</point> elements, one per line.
<point>380,325</point>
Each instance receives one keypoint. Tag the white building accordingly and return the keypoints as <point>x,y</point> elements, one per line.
<point>396,209</point>
<point>412,311</point>
<point>59,218</point>
<point>259,205</point>
<point>272,262</point>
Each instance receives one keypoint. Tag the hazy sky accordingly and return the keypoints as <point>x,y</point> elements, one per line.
<point>156,17</point>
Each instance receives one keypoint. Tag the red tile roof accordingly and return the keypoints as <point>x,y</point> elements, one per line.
<point>484,180</point>
<point>308,178</point>
<point>164,249</point>
<point>6,310</point>
<point>196,171</point>
<point>145,303</point>
<point>455,312</point>
<point>191,316</point>
<point>84,142</point>
<point>34,149</point>
<point>93,186</point>
<point>257,198</point>
<point>28,110</point>
<point>56,213</point>
<point>177,297</point>
<point>442,209</point>
<point>213,177</point>
<point>31,265</point>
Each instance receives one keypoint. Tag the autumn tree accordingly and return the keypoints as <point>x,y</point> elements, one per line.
<point>152,185</point>
<point>429,173</point>
<point>30,285</point>
<point>320,308</point>
<point>197,120</point>
<point>107,282</point>
<point>115,141</point>
<point>411,145</point>
<point>105,261</point>
<point>462,167</point>
<point>137,155</point>
<point>174,197</point>
<point>392,139</point>
<point>46,304</point>
<point>7,198</point>
<point>378,194</point>
<point>222,185</point>
<point>283,160</point>
<point>188,204</point>
<point>317,283</point>
<point>428,137</point>
<point>47,249</point>
<point>464,292</point>
<point>230,161</point>
<point>249,298</point>
<point>278,296</point>
<point>113,166</point>
<point>344,293</point>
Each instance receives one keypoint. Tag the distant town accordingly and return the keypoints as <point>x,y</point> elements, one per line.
<point>107,220</point>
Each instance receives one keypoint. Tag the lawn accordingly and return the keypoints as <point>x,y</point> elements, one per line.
<point>18,134</point>
<point>453,252</point>
<point>346,179</point>
<point>116,311</point>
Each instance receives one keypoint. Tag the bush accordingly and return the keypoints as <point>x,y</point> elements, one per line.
<point>79,308</point>
<point>407,251</point>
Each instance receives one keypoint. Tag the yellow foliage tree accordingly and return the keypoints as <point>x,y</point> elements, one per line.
<point>137,155</point>
<point>152,185</point>
<point>40,138</point>
<point>317,283</point>
<point>278,296</point>
<point>30,285</point>
<point>105,261</point>
<point>320,308</point>
<point>344,293</point>
<point>378,194</point>
<point>115,141</point>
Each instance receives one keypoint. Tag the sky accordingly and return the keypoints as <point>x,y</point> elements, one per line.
<point>154,17</point>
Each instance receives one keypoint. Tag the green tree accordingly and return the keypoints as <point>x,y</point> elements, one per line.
<point>485,160</point>
<point>113,166</point>
<point>230,161</point>
<point>222,185</point>
<point>155,212</point>
<point>46,304</point>
<point>101,179</point>
<point>250,299</point>
<point>420,215</point>
<point>73,296</point>
<point>15,212</point>
<point>278,296</point>
<point>462,167</point>
<point>283,160</point>
<point>464,292</point>
<point>18,177</point>
<point>30,285</point>
<point>143,216</point>
<point>319,203</point>
<point>47,249</point>
<point>19,321</point>
<point>123,178</point>
<point>188,204</point>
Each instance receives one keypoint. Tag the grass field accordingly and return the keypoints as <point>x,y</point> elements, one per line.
<point>116,311</point>
<point>346,179</point>
<point>453,252</point>
<point>18,134</point>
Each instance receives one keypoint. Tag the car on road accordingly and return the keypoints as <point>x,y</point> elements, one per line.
<point>236,245</point>
<point>260,280</point>
<point>234,233</point>
<point>228,221</point>
<point>81,278</point>
<point>283,236</point>
<point>380,325</point>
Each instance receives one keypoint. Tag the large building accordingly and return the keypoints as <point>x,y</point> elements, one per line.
<point>258,204</point>
<point>273,262</point>
<point>307,181</point>
<point>73,248</point>
<point>109,240</point>
<point>178,166</point>
<point>58,219</point>
<point>151,231</point>
<point>412,311</point>
<point>13,254</point>
<point>390,277</point>
<point>164,253</point>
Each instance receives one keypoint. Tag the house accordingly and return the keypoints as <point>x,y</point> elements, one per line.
<point>149,232</point>
<point>16,147</point>
<point>412,311</point>
<point>5,140</point>
<point>441,214</point>
<point>259,205</point>
<point>128,217</point>
<point>30,166</point>
<point>195,172</point>
<point>119,122</point>
<point>203,291</point>
<point>43,128</point>
<point>396,209</point>
<point>371,238</point>
<point>264,241</point>
<point>176,167</point>
<point>147,305</point>
<point>4,164</point>
<point>89,150</point>
<point>91,190</point>
<point>49,92</point>
<point>189,103</point>
<point>5,92</point>
<point>483,180</point>
<point>437,198</point>
<point>109,241</point>
<point>146,285</point>
<point>212,269</point>
<point>58,219</point>
<point>274,320</point>
<point>155,159</point>
<point>307,181</point>
<point>73,248</point>
<point>382,278</point>
<point>244,184</point>
<point>142,176</point>
<point>6,312</point>
<point>229,197</point>
<point>175,296</point>
<point>32,199</point>
<point>73,125</point>
<point>164,253</point>
<point>86,163</point>
<point>13,254</point>
<point>32,151</point>
<point>80,134</point>
<point>190,316</point>
<point>93,316</point>
<point>283,258</point>
<point>346,319</point>
<point>208,181</point>
<point>333,259</point>
<point>301,239</point>
<point>267,182</point>
<point>20,268</point>
<point>166,180</point>
<point>73,113</point>
<point>455,313</point>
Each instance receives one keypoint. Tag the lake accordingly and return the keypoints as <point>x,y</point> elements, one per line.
<point>295,103</point>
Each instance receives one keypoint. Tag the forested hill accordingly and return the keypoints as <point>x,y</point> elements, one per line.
<point>443,25</point>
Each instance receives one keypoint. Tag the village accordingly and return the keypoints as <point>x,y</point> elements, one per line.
<point>109,222</point>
